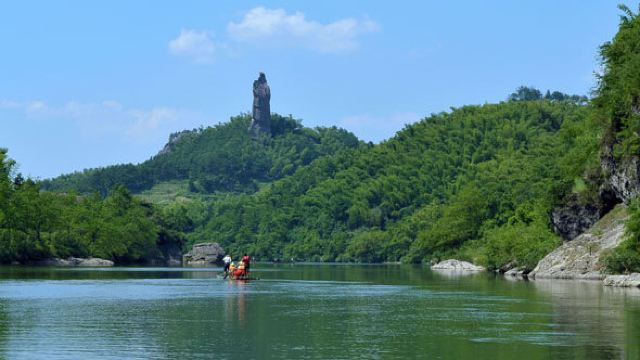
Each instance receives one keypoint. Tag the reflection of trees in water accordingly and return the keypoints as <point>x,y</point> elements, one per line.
<point>70,327</point>
<point>4,329</point>
<point>597,316</point>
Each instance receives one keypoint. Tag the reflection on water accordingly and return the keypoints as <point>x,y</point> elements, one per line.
<point>597,315</point>
<point>309,311</point>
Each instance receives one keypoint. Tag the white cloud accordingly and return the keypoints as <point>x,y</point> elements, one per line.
<point>197,45</point>
<point>33,107</point>
<point>36,107</point>
<point>275,27</point>
<point>110,118</point>
<point>377,128</point>
<point>9,104</point>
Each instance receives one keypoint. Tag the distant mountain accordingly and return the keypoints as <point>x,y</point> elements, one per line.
<point>225,157</point>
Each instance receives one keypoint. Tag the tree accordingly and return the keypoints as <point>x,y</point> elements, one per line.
<point>525,93</point>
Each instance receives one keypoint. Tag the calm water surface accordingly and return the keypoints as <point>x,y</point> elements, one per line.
<point>309,311</point>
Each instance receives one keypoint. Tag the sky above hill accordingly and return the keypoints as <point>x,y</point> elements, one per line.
<point>86,84</point>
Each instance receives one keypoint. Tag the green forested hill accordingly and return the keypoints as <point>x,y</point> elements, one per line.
<point>478,181</point>
<point>219,158</point>
<point>37,225</point>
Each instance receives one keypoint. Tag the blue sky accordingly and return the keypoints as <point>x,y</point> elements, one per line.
<point>86,84</point>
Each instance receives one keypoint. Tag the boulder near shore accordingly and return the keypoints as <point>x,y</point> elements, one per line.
<point>203,254</point>
<point>631,280</point>
<point>580,257</point>
<point>457,265</point>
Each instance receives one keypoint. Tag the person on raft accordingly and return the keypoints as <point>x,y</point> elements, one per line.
<point>246,260</point>
<point>227,262</point>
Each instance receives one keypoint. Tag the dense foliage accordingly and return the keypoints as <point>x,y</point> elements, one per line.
<point>617,103</point>
<point>37,225</point>
<point>478,182</point>
<point>219,158</point>
<point>617,106</point>
<point>526,93</point>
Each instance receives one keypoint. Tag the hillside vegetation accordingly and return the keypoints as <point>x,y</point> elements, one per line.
<point>218,158</point>
<point>617,108</point>
<point>37,225</point>
<point>478,182</point>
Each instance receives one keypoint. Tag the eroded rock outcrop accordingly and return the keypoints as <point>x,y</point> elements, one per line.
<point>580,258</point>
<point>457,265</point>
<point>576,217</point>
<point>572,220</point>
<point>516,273</point>
<point>174,139</point>
<point>623,175</point>
<point>204,254</point>
<point>261,112</point>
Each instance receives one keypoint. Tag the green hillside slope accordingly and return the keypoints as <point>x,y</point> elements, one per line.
<point>219,158</point>
<point>450,183</point>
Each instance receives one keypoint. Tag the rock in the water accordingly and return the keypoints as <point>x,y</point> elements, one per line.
<point>515,273</point>
<point>456,265</point>
<point>580,258</point>
<point>92,262</point>
<point>204,254</point>
<point>261,114</point>
<point>631,280</point>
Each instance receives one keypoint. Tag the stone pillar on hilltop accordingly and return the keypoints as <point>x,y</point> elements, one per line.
<point>261,113</point>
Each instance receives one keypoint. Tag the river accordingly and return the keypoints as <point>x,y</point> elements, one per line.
<point>309,311</point>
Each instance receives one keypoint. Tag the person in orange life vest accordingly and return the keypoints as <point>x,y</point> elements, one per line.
<point>240,271</point>
<point>232,270</point>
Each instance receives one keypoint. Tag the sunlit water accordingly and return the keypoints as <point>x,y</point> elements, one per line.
<point>309,311</point>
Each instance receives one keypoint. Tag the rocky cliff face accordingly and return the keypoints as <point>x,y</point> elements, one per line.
<point>575,217</point>
<point>261,114</point>
<point>580,258</point>
<point>572,220</point>
<point>622,175</point>
<point>174,139</point>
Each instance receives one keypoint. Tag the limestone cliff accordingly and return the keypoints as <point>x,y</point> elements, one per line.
<point>580,258</point>
<point>623,175</point>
